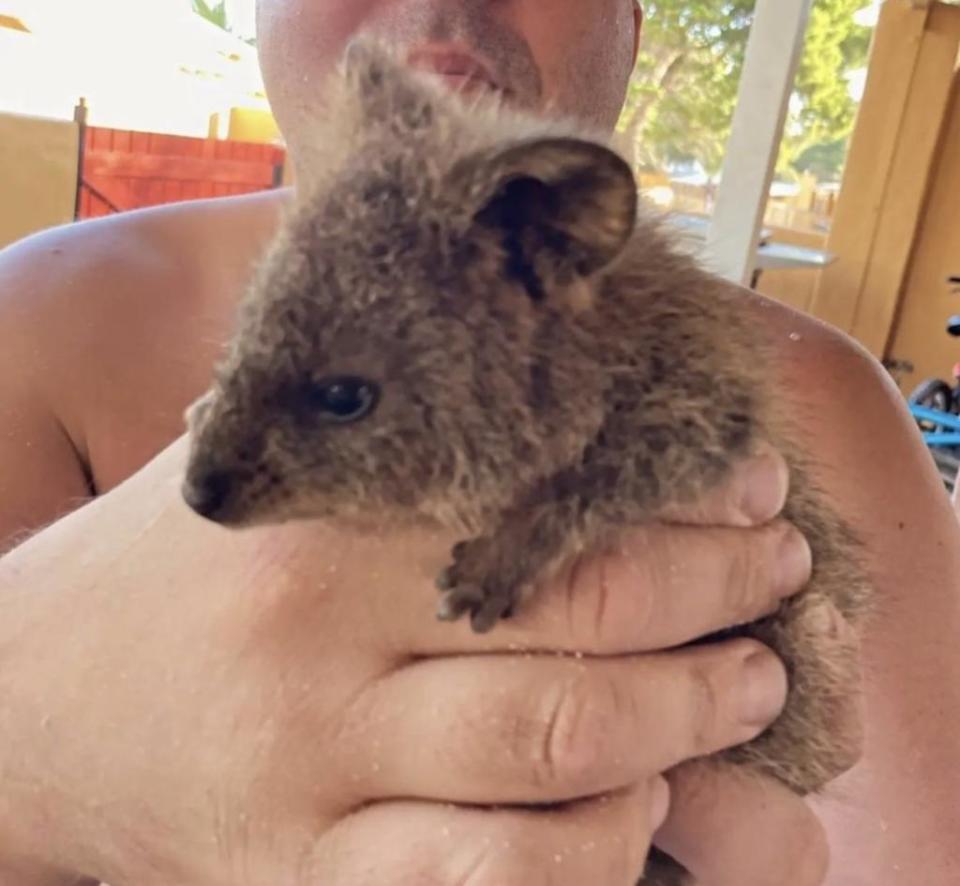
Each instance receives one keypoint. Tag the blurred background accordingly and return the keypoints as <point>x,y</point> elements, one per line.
<point>189,68</point>
<point>152,65</point>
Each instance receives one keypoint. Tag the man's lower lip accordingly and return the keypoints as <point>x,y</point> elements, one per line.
<point>466,83</point>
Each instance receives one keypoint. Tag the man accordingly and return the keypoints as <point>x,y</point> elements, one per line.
<point>186,705</point>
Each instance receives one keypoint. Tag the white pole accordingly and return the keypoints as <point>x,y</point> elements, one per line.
<point>769,70</point>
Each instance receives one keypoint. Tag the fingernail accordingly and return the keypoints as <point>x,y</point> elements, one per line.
<point>764,689</point>
<point>764,487</point>
<point>794,563</point>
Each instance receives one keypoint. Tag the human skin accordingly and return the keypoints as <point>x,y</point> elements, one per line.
<point>97,368</point>
<point>189,705</point>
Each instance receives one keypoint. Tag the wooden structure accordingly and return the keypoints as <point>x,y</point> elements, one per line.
<point>769,70</point>
<point>896,228</point>
<point>38,174</point>
<point>792,287</point>
<point>123,170</point>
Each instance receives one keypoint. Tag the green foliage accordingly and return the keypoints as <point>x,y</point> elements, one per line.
<point>824,160</point>
<point>682,95</point>
<point>218,14</point>
<point>825,112</point>
<point>683,90</point>
<point>212,12</point>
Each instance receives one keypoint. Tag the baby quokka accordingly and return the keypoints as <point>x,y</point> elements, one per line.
<point>466,319</point>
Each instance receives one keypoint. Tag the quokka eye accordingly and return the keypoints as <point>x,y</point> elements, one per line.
<point>341,399</point>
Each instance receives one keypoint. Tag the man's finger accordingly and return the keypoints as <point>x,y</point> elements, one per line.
<point>729,827</point>
<point>604,840</point>
<point>665,586</point>
<point>542,729</point>
<point>754,493</point>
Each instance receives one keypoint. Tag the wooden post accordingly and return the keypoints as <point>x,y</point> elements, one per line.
<point>769,70</point>
<point>888,168</point>
<point>80,111</point>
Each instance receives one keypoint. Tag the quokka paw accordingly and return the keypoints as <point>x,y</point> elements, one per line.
<point>467,586</point>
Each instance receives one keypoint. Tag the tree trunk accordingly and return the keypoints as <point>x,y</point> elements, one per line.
<point>666,73</point>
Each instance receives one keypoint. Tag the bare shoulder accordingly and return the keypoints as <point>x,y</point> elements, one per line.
<point>45,271</point>
<point>867,452</point>
<point>854,422</point>
<point>899,803</point>
<point>100,322</point>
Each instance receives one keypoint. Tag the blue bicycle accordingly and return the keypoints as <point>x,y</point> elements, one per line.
<point>939,428</point>
<point>935,403</point>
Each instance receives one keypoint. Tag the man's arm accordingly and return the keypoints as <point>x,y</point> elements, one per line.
<point>43,474</point>
<point>896,815</point>
<point>108,329</point>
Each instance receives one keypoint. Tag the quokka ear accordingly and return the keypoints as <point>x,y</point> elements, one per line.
<point>387,92</point>
<point>563,208</point>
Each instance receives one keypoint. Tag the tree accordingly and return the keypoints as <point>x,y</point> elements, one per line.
<point>823,160</point>
<point>216,13</point>
<point>824,112</point>
<point>684,89</point>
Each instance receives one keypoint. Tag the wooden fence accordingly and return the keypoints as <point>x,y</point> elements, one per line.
<point>121,170</point>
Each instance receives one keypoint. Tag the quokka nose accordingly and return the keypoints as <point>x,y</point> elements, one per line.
<point>208,493</point>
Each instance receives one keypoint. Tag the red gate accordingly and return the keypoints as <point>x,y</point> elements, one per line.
<point>123,170</point>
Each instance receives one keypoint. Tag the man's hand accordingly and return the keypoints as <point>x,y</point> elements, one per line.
<point>187,704</point>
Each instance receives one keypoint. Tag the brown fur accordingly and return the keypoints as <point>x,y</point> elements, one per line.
<point>551,370</point>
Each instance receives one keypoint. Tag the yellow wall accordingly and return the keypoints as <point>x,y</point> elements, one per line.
<point>926,303</point>
<point>253,125</point>
<point>894,163</point>
<point>38,174</point>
